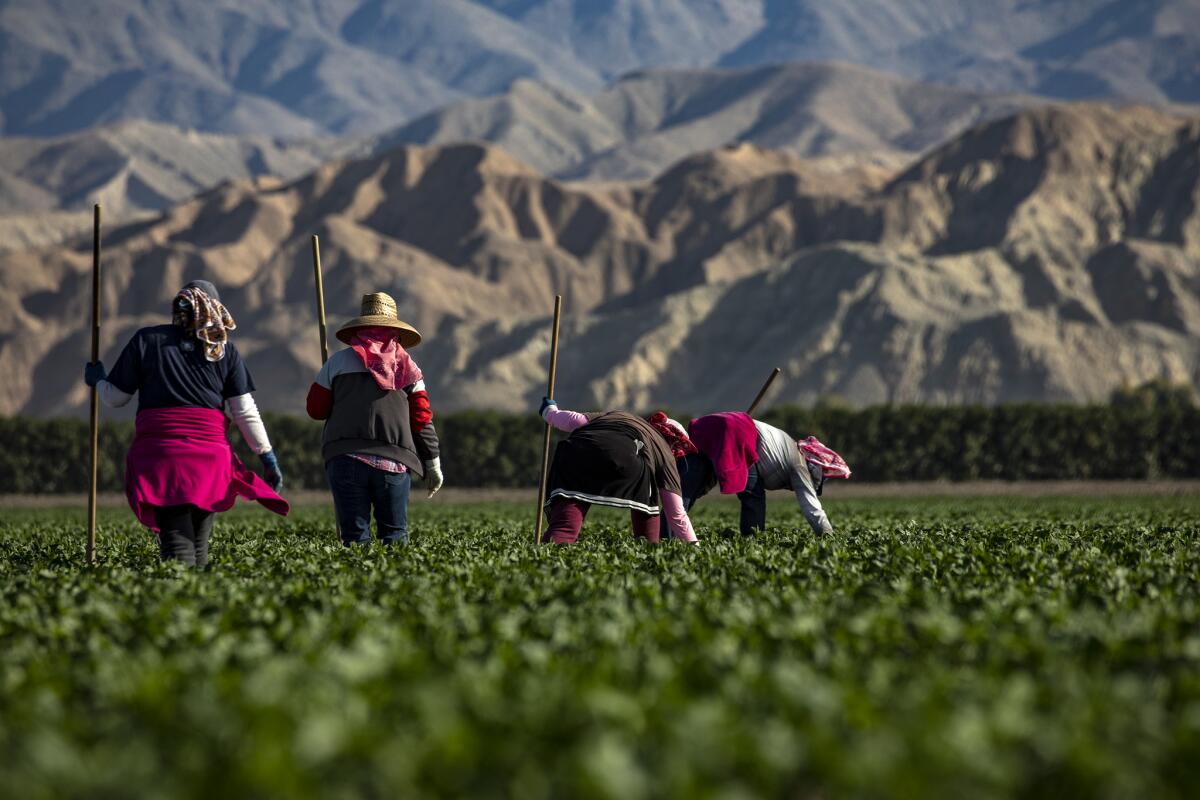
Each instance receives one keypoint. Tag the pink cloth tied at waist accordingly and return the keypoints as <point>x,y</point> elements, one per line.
<point>181,456</point>
<point>730,441</point>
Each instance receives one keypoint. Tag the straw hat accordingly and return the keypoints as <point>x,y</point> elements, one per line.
<point>379,310</point>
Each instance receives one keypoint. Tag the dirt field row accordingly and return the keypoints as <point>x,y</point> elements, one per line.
<point>833,492</point>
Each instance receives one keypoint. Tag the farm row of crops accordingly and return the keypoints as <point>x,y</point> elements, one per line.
<point>986,648</point>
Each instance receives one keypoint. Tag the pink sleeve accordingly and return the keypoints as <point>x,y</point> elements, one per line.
<point>677,518</point>
<point>565,420</point>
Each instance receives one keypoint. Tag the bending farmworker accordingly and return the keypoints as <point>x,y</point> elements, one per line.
<point>612,459</point>
<point>180,469</point>
<point>747,457</point>
<point>378,424</point>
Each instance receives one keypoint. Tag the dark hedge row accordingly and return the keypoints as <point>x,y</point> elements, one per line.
<point>46,456</point>
<point>1141,434</point>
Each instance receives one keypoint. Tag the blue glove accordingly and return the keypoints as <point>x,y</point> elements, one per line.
<point>94,373</point>
<point>271,470</point>
<point>546,403</point>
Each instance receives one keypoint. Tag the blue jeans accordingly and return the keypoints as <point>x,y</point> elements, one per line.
<point>697,478</point>
<point>357,488</point>
<point>754,504</point>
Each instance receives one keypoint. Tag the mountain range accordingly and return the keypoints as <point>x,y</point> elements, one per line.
<point>131,168</point>
<point>1047,255</point>
<point>633,129</point>
<point>646,121</point>
<point>307,68</point>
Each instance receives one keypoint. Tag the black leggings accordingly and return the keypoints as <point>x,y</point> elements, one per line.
<point>183,534</point>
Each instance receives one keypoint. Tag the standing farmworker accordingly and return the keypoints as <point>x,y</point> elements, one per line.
<point>180,469</point>
<point>747,457</point>
<point>378,424</point>
<point>612,459</point>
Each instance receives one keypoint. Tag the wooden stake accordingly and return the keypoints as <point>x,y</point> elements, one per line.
<point>763,391</point>
<point>537,527</point>
<point>324,331</point>
<point>95,408</point>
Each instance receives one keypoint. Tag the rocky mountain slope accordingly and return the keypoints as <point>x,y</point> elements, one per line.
<point>646,121</point>
<point>268,67</point>
<point>133,167</point>
<point>299,68</point>
<point>1136,49</point>
<point>634,129</point>
<point>1047,255</point>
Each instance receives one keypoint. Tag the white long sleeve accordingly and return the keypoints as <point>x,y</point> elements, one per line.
<point>782,466</point>
<point>111,396</point>
<point>249,422</point>
<point>810,504</point>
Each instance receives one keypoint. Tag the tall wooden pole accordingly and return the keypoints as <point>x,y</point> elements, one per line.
<point>537,527</point>
<point>95,409</point>
<point>763,391</point>
<point>324,331</point>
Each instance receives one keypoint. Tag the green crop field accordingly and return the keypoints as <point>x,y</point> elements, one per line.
<point>931,648</point>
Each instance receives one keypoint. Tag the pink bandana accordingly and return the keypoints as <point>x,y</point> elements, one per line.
<point>381,353</point>
<point>832,465</point>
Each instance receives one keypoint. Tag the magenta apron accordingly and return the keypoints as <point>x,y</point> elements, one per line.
<point>181,456</point>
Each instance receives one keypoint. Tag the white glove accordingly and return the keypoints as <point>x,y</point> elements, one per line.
<point>433,476</point>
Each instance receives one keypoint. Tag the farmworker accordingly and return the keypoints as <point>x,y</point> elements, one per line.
<point>615,459</point>
<point>180,469</point>
<point>378,424</point>
<point>747,457</point>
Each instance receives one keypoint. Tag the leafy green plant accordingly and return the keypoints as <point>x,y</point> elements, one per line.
<point>986,648</point>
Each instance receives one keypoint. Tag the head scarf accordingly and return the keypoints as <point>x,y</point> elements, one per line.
<point>673,432</point>
<point>825,459</point>
<point>389,364</point>
<point>205,286</point>
<point>208,321</point>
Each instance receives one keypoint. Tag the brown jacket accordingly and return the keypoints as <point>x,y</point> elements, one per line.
<point>662,462</point>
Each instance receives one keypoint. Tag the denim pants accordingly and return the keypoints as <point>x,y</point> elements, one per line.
<point>697,478</point>
<point>754,504</point>
<point>357,489</point>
